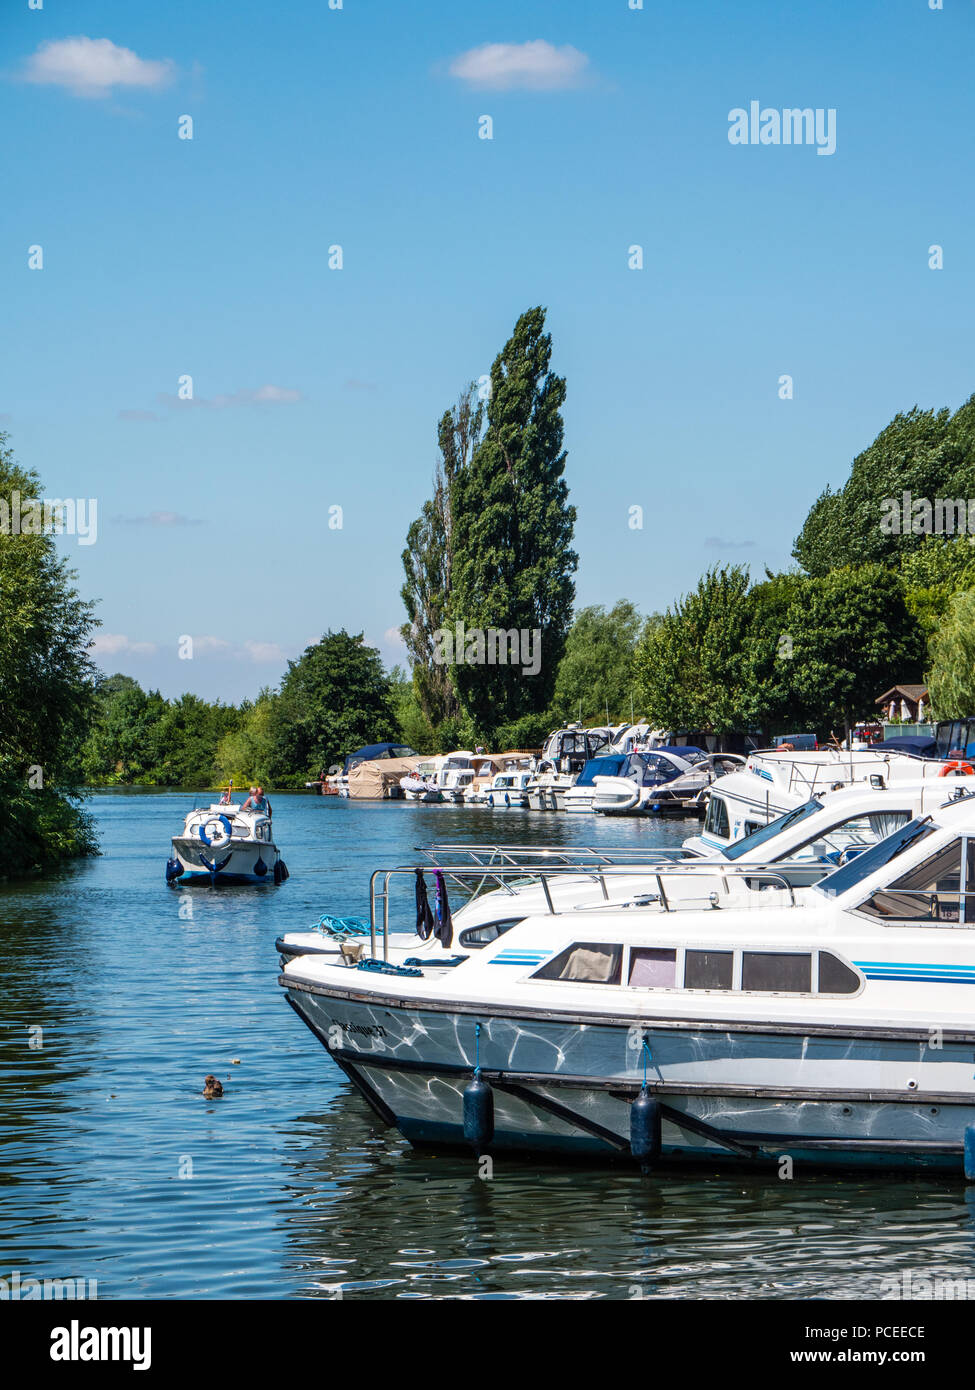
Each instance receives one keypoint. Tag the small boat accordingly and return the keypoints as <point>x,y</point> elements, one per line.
<point>224,843</point>
<point>420,784</point>
<point>510,788</point>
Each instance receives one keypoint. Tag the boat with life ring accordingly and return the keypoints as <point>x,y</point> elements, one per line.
<point>224,842</point>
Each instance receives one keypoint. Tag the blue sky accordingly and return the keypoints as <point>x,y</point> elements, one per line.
<point>315,387</point>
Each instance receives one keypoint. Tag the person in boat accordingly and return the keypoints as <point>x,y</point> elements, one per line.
<point>257,801</point>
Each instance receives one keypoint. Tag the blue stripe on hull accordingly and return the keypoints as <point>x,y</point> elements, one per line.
<point>191,876</point>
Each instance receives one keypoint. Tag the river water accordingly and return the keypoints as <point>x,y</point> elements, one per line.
<point>118,995</point>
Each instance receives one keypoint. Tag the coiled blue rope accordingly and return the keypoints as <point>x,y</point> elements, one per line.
<point>341,927</point>
<point>383,967</point>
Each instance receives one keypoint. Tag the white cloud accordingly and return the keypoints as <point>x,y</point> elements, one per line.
<point>158,519</point>
<point>210,644</point>
<point>93,67</point>
<point>113,643</point>
<point>265,651</point>
<point>720,543</point>
<point>393,637</point>
<point>261,395</point>
<point>534,66</point>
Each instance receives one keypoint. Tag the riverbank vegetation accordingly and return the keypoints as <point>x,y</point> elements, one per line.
<point>879,594</point>
<point>47,684</point>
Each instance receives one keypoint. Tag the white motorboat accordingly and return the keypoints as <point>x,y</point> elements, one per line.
<point>664,779</point>
<point>773,782</point>
<point>510,788</point>
<point>222,842</point>
<point>799,848</point>
<point>421,783</point>
<point>565,754</point>
<point>456,775</point>
<point>745,1022</point>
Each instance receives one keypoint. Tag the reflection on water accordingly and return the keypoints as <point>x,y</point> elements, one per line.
<point>114,1167</point>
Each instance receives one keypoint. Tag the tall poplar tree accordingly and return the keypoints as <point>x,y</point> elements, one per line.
<point>512,557</point>
<point>428,559</point>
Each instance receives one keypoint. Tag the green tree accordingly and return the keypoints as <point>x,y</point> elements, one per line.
<point>927,453</point>
<point>691,664</point>
<point>121,744</point>
<point>186,738</point>
<point>852,637</point>
<point>598,669</point>
<point>933,573</point>
<point>769,700</point>
<point>47,685</point>
<point>246,754</point>
<point>334,698</point>
<point>512,530</point>
<point>951,674</point>
<point>428,560</point>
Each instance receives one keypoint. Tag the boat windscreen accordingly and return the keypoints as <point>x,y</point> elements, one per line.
<point>774,827</point>
<point>869,860</point>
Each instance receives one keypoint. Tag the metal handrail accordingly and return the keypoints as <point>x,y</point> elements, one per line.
<point>488,856</point>
<point>460,871</point>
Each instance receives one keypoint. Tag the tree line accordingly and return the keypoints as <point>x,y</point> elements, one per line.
<point>866,604</point>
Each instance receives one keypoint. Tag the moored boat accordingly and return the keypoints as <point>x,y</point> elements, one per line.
<point>744,1022</point>
<point>510,788</point>
<point>564,755</point>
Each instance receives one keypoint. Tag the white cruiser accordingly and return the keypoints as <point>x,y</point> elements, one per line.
<point>773,782</point>
<point>226,843</point>
<point>745,1021</point>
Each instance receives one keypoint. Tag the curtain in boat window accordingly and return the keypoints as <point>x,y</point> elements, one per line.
<point>884,823</point>
<point>930,892</point>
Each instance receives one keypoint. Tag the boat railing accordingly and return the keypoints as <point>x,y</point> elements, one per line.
<point>700,868</point>
<point>530,857</point>
<point>809,776</point>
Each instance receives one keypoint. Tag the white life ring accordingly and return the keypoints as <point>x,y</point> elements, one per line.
<point>215,832</point>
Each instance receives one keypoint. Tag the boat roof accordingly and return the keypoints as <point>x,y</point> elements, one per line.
<point>371,751</point>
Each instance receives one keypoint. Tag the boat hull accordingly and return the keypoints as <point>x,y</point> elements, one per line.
<point>238,862</point>
<point>727,1094</point>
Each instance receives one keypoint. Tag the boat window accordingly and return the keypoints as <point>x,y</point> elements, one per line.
<point>778,971</point>
<point>774,827</point>
<point>874,858</point>
<point>859,832</point>
<point>930,892</point>
<point>594,963</point>
<point>708,969</point>
<point>835,977</point>
<point>653,969</point>
<point>483,936</point>
<point>716,820</point>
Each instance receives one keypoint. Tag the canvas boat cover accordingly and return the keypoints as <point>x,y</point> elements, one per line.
<point>371,781</point>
